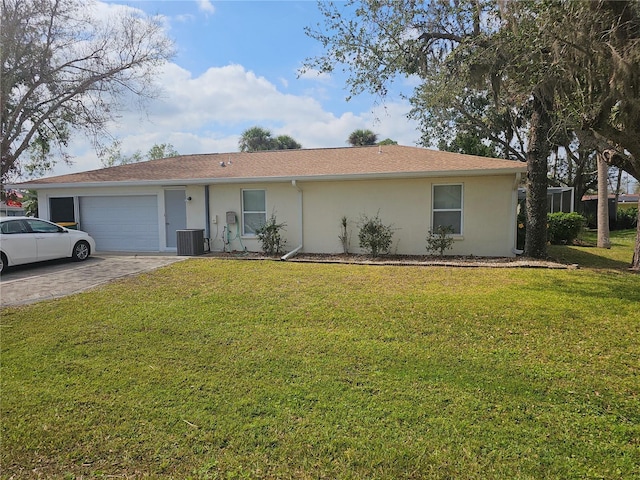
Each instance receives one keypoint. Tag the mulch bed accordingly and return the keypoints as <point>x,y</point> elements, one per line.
<point>401,260</point>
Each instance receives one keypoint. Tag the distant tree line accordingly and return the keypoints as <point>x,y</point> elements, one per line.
<point>256,138</point>
<point>112,156</point>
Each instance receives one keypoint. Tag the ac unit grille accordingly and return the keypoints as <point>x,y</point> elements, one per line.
<point>190,242</point>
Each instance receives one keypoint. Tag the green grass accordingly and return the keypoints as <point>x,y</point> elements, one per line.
<point>617,257</point>
<point>256,369</point>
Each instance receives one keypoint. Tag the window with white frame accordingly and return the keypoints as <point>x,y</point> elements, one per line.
<point>254,211</point>
<point>447,207</point>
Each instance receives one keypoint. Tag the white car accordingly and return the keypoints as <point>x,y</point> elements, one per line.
<point>28,240</point>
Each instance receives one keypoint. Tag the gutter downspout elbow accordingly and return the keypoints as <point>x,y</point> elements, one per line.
<point>291,254</point>
<point>295,251</point>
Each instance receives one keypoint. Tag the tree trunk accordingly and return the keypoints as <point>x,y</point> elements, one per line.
<point>635,263</point>
<point>616,197</point>
<point>535,243</point>
<point>579,191</point>
<point>603,203</point>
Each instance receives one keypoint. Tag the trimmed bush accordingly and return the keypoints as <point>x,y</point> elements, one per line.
<point>270,238</point>
<point>440,239</point>
<point>564,228</point>
<point>375,237</point>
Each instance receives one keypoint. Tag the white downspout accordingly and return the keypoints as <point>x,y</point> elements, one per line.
<point>514,215</point>
<point>299,247</point>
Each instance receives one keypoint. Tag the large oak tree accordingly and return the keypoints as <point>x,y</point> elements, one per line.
<point>597,45</point>
<point>66,68</point>
<point>523,63</point>
<point>462,49</point>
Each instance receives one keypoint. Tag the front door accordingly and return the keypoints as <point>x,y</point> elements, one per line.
<point>175,214</point>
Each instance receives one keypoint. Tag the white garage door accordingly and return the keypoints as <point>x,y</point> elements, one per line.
<point>123,223</point>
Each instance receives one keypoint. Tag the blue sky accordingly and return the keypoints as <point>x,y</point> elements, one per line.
<point>237,65</point>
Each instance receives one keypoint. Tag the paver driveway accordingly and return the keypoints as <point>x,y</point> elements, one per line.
<point>42,281</point>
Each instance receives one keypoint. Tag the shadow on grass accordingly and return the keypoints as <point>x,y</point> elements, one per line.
<point>587,257</point>
<point>613,286</point>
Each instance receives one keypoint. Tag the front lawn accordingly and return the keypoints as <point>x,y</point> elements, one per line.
<point>618,256</point>
<point>216,368</point>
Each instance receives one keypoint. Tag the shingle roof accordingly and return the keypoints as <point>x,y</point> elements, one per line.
<point>325,163</point>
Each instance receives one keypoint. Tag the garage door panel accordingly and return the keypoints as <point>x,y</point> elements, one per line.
<point>122,223</point>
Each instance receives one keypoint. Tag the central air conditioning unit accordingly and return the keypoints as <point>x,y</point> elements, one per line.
<point>190,242</point>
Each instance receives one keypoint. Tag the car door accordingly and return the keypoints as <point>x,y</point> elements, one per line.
<point>17,242</point>
<point>52,241</point>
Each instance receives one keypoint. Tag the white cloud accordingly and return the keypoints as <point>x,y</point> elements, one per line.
<point>313,74</point>
<point>390,121</point>
<point>206,6</point>
<point>185,18</point>
<point>207,114</point>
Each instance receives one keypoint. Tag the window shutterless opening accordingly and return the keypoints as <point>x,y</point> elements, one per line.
<point>447,201</point>
<point>254,211</point>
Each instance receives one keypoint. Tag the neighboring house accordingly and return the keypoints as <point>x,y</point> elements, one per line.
<point>12,205</point>
<point>625,201</point>
<point>11,209</point>
<point>139,207</point>
<point>628,200</point>
<point>589,207</point>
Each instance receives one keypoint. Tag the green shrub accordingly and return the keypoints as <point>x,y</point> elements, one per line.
<point>270,238</point>
<point>626,218</point>
<point>564,228</point>
<point>375,237</point>
<point>440,239</point>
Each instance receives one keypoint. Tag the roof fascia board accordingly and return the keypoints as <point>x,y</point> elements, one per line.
<point>302,178</point>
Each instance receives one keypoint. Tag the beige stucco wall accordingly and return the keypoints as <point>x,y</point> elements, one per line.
<point>282,199</point>
<point>488,213</point>
<point>406,205</point>
<point>196,210</point>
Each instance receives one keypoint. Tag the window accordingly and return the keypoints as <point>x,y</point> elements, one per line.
<point>254,211</point>
<point>61,209</point>
<point>13,226</point>
<point>447,207</point>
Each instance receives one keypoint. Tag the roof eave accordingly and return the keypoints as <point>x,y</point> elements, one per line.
<point>278,179</point>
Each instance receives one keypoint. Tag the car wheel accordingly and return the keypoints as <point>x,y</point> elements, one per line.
<point>81,251</point>
<point>3,262</point>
